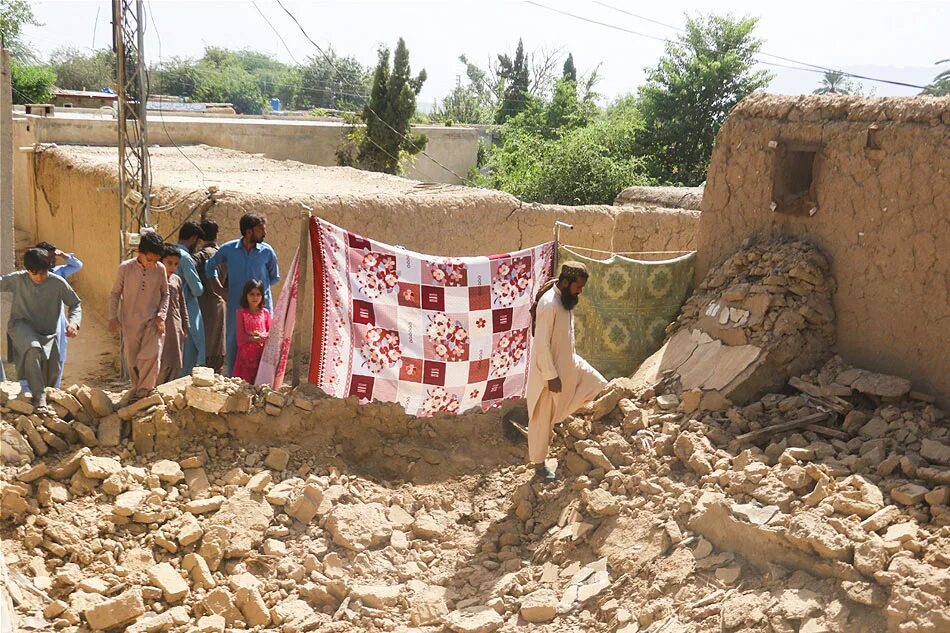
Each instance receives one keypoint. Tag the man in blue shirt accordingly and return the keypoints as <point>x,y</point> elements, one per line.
<point>194,353</point>
<point>244,259</point>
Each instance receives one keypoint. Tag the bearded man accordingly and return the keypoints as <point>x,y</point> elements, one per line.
<point>246,258</point>
<point>559,381</point>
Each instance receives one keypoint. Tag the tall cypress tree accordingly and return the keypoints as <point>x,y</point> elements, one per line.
<point>517,79</point>
<point>391,106</point>
<point>570,72</point>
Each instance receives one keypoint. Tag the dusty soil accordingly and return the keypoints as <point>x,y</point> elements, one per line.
<point>820,506</point>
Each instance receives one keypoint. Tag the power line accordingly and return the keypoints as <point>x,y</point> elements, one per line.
<point>802,66</point>
<point>368,107</point>
<point>368,137</point>
<point>161,114</point>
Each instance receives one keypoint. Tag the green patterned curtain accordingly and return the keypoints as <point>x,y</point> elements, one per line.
<point>626,306</point>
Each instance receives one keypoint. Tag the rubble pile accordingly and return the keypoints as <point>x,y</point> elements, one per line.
<point>819,505</point>
<point>762,316</point>
<point>831,495</point>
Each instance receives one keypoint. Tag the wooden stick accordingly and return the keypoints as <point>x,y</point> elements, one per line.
<point>755,436</point>
<point>302,257</point>
<point>824,430</point>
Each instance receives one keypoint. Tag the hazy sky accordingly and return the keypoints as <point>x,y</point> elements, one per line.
<point>896,40</point>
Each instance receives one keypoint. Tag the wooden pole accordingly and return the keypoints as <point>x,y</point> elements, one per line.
<point>7,232</point>
<point>302,259</point>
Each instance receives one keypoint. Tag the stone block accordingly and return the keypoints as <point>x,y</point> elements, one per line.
<point>109,431</point>
<point>539,606</point>
<point>252,606</point>
<point>116,611</point>
<point>173,586</point>
<point>478,619</point>
<point>202,377</point>
<point>205,399</point>
<point>168,471</point>
<point>130,411</point>
<point>909,494</point>
<point>277,459</point>
<point>377,596</point>
<point>99,467</point>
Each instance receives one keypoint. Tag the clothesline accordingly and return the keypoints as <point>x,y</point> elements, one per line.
<point>595,250</point>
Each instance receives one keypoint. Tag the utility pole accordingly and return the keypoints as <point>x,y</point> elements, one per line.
<point>135,177</point>
<point>7,235</point>
<point>128,23</point>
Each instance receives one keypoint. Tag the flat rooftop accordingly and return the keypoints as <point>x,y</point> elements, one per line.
<point>197,167</point>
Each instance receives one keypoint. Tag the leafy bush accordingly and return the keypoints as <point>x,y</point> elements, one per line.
<point>79,71</point>
<point>569,164</point>
<point>32,84</point>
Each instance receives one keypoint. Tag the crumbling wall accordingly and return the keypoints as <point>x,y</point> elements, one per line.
<point>74,206</point>
<point>882,217</point>
<point>663,197</point>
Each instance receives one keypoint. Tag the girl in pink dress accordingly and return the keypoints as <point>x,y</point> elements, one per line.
<point>253,325</point>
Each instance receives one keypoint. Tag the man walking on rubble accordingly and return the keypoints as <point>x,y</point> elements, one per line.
<point>559,381</point>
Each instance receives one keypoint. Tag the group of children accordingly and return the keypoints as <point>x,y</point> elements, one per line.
<point>154,319</point>
<point>147,305</point>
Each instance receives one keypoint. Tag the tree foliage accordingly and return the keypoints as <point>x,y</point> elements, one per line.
<point>585,158</point>
<point>514,72</point>
<point>699,79</point>
<point>31,84</point>
<point>834,82</point>
<point>333,82</point>
<point>940,86</point>
<point>569,72</point>
<point>14,15</point>
<point>387,138</point>
<point>76,70</point>
<point>463,105</point>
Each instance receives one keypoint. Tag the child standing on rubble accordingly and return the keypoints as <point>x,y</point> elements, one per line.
<point>176,321</point>
<point>138,306</point>
<point>253,327</point>
<point>38,299</point>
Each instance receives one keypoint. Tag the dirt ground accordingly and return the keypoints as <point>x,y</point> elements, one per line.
<point>821,506</point>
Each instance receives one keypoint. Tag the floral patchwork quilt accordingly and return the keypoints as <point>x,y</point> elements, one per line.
<point>435,334</point>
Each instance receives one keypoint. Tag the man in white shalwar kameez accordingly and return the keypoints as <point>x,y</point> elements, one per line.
<point>559,381</point>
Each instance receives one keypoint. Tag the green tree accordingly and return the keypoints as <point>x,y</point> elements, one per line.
<point>699,79</point>
<point>388,138</point>
<point>516,76</point>
<point>462,105</point>
<point>76,70</point>
<point>334,82</point>
<point>587,164</point>
<point>31,84</point>
<point>176,76</point>
<point>570,72</point>
<point>834,82</point>
<point>14,14</point>
<point>219,76</point>
<point>940,86</point>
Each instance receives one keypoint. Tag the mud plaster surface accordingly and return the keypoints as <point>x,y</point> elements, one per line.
<point>883,218</point>
<point>74,207</point>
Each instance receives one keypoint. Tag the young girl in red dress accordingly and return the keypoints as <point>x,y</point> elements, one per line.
<point>253,326</point>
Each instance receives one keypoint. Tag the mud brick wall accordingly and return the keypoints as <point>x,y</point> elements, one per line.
<point>880,179</point>
<point>72,204</point>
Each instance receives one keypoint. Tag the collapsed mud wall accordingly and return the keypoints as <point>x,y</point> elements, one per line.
<point>73,205</point>
<point>879,194</point>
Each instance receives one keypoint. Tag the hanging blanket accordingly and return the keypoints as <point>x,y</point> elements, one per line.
<point>625,308</point>
<point>435,334</point>
<point>277,349</point>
